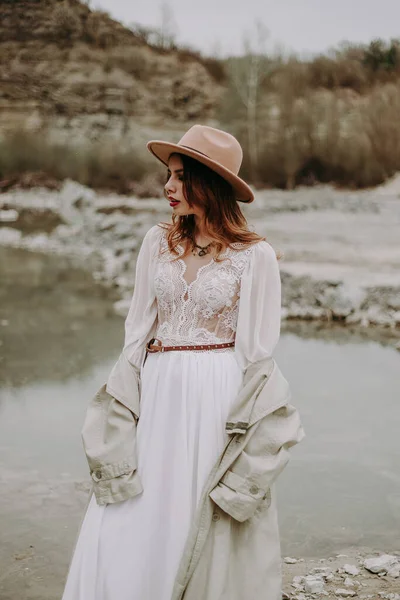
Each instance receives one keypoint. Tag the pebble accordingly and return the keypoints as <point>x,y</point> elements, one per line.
<point>351,569</point>
<point>313,584</point>
<point>344,593</point>
<point>290,561</point>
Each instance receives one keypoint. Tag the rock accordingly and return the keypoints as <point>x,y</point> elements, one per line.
<point>313,584</point>
<point>351,569</point>
<point>348,582</point>
<point>322,571</point>
<point>381,564</point>
<point>344,593</point>
<point>394,571</point>
<point>290,561</point>
<point>10,237</point>
<point>8,216</point>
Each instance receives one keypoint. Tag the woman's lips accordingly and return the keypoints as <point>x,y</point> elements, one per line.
<point>173,202</point>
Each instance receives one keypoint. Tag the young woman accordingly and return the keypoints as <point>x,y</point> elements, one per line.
<point>205,313</point>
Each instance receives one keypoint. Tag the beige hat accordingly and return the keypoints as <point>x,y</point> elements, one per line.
<point>216,149</point>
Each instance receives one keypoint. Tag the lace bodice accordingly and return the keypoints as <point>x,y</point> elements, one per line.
<point>238,298</point>
<point>205,310</point>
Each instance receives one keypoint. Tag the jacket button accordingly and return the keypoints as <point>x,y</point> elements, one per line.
<point>254,490</point>
<point>98,474</point>
<point>215,517</point>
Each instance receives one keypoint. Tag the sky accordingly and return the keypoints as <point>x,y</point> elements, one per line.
<point>305,26</point>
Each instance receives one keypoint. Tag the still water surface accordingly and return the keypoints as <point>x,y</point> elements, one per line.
<point>342,485</point>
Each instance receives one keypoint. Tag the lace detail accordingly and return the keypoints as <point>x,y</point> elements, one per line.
<point>204,311</point>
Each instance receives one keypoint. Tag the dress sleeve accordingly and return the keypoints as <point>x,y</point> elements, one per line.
<point>259,317</point>
<point>141,322</point>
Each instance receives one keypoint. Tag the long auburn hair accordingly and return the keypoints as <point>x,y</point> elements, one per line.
<point>225,223</point>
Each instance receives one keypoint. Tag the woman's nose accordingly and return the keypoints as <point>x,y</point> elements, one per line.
<point>169,186</point>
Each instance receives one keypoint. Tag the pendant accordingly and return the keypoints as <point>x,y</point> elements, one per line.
<point>202,252</point>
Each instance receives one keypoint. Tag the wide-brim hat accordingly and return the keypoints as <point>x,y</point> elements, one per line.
<point>216,149</point>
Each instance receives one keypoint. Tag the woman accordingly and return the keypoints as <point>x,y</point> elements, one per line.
<point>205,311</point>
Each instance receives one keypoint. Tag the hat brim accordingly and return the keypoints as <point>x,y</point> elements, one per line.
<point>163,150</point>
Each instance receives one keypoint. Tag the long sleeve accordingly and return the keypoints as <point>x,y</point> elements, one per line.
<point>109,430</point>
<point>259,317</point>
<point>141,322</point>
<point>140,325</point>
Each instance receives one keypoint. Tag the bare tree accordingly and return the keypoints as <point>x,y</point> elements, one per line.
<point>247,74</point>
<point>167,30</point>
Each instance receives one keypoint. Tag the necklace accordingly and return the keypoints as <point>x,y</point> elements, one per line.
<point>203,249</point>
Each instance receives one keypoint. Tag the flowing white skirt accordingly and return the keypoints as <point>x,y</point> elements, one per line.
<point>131,550</point>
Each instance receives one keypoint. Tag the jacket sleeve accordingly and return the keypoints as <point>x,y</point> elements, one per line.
<point>246,484</point>
<point>109,441</point>
<point>109,429</point>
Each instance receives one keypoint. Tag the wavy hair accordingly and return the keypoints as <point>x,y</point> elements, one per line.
<point>224,221</point>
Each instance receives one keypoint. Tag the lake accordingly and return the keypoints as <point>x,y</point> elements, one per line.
<point>341,487</point>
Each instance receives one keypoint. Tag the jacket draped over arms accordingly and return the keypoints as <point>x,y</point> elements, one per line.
<point>233,550</point>
<point>109,429</point>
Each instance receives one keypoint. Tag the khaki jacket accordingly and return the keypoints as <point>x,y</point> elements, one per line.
<point>232,550</point>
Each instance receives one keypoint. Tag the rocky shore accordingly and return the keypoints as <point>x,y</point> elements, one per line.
<point>353,574</point>
<point>341,256</point>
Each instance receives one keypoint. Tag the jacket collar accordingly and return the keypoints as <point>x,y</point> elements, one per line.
<point>264,390</point>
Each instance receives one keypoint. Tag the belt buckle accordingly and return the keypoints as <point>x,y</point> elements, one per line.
<point>160,347</point>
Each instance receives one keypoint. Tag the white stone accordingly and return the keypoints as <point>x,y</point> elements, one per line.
<point>351,569</point>
<point>10,236</point>
<point>344,593</point>
<point>8,216</point>
<point>394,571</point>
<point>290,561</point>
<point>313,584</point>
<point>348,582</point>
<point>381,564</point>
<point>323,571</point>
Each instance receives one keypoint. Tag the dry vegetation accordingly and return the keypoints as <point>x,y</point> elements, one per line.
<point>330,119</point>
<point>29,159</point>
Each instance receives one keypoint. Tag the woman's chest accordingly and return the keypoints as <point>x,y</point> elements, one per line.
<point>209,286</point>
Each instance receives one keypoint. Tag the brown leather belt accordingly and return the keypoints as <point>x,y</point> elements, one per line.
<point>151,347</point>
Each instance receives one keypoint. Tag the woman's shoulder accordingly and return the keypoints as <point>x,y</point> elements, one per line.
<point>264,256</point>
<point>155,232</point>
<point>259,248</point>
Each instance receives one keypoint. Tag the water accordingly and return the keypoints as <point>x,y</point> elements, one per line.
<point>342,485</point>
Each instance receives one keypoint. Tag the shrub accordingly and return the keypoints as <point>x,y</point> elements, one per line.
<point>105,166</point>
<point>99,30</point>
<point>66,23</point>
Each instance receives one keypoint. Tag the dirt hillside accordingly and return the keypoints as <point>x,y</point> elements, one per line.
<point>80,74</point>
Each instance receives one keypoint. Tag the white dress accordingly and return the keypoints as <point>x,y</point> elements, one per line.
<point>131,550</point>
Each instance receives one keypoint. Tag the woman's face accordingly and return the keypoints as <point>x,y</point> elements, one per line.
<point>174,189</point>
